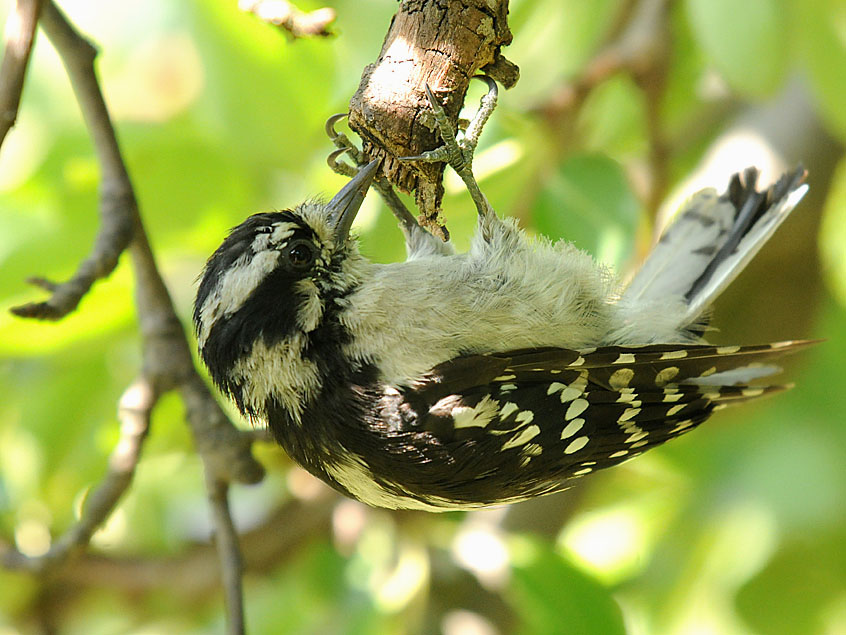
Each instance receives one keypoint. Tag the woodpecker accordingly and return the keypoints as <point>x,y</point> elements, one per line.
<point>463,380</point>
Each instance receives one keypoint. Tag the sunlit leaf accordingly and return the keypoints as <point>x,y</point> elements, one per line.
<point>822,33</point>
<point>745,41</point>
<point>552,596</point>
<point>770,603</point>
<point>833,234</point>
<point>588,202</point>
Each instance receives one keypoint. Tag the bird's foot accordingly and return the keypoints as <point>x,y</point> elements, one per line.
<point>458,153</point>
<point>344,146</point>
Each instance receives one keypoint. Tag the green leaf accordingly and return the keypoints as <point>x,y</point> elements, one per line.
<point>613,119</point>
<point>745,41</point>
<point>833,233</point>
<point>552,596</point>
<point>589,202</point>
<point>771,601</point>
<point>822,29</point>
<point>564,35</point>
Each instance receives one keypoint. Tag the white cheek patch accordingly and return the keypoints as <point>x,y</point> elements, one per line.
<point>278,371</point>
<point>310,310</point>
<point>234,287</point>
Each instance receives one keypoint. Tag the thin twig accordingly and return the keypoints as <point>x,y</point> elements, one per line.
<point>637,45</point>
<point>653,83</point>
<point>192,573</point>
<point>293,21</point>
<point>20,34</point>
<point>634,48</point>
<point>229,555</point>
<point>136,404</point>
<point>118,206</point>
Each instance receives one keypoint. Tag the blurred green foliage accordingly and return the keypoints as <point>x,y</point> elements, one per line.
<point>738,527</point>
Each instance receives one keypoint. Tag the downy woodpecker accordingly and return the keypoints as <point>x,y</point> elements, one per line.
<point>454,381</point>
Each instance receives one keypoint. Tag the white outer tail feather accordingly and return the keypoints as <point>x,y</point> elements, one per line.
<point>693,241</point>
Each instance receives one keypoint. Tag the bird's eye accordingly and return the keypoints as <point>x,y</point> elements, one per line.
<point>300,254</point>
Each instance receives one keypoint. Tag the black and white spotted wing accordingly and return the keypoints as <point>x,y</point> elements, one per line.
<point>521,423</point>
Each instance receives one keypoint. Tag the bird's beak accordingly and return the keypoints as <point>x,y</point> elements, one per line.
<point>344,206</point>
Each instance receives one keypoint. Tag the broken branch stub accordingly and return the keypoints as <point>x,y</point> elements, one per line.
<point>442,43</point>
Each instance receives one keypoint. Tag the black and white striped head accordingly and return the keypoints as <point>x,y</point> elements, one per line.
<point>268,286</point>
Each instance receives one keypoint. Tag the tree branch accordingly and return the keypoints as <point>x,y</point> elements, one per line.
<point>442,44</point>
<point>167,360</point>
<point>20,34</point>
<point>117,199</point>
<point>195,571</point>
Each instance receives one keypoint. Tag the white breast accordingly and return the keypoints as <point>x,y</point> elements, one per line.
<point>502,295</point>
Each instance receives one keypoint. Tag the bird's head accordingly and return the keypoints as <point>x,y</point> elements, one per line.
<point>268,288</point>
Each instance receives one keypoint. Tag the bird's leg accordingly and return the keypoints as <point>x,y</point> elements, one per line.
<point>407,221</point>
<point>458,153</point>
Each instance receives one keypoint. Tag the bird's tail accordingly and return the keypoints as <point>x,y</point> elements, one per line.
<point>711,240</point>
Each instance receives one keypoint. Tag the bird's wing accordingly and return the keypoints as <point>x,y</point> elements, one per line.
<point>550,414</point>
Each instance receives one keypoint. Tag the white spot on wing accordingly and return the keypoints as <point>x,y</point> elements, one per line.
<point>727,350</point>
<point>576,445</point>
<point>681,425</point>
<point>478,416</point>
<point>532,449</point>
<point>670,397</point>
<point>666,375</point>
<point>572,428</point>
<point>525,417</point>
<point>637,436</point>
<point>576,408</point>
<point>629,413</point>
<point>555,387</point>
<point>620,378</point>
<point>507,409</point>
<point>575,389</point>
<point>627,395</point>
<point>525,435</point>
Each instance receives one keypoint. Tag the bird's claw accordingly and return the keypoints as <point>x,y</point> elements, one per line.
<point>343,144</point>
<point>339,167</point>
<point>330,125</point>
<point>458,153</point>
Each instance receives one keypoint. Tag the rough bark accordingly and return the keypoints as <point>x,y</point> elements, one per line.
<point>442,43</point>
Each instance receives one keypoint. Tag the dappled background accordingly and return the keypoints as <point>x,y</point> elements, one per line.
<point>622,109</point>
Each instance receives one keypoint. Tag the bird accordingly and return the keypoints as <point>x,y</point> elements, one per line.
<point>456,381</point>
